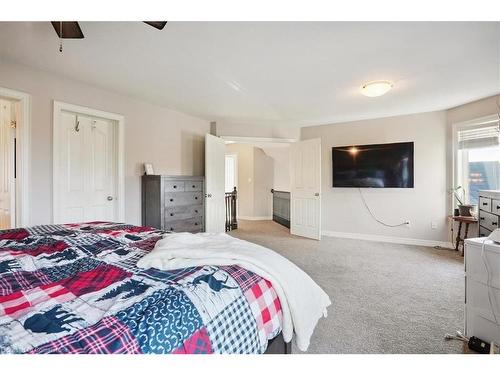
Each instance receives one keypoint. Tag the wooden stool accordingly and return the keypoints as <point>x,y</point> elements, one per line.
<point>467,220</point>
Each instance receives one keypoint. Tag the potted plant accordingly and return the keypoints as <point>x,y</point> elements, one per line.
<point>459,194</point>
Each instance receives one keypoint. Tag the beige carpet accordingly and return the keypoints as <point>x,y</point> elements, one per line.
<point>387,298</point>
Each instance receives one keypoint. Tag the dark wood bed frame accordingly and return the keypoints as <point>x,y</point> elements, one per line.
<point>279,346</point>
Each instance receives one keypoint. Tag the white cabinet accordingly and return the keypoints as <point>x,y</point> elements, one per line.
<point>482,294</point>
<point>489,211</point>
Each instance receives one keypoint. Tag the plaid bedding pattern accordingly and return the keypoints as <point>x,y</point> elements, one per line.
<point>20,303</point>
<point>75,288</point>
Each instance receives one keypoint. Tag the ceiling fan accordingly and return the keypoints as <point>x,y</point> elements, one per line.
<point>72,30</point>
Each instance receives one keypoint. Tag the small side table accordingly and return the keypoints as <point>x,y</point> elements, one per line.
<point>467,220</point>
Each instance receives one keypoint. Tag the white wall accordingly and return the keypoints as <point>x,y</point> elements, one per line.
<point>245,177</point>
<point>342,208</point>
<point>281,157</point>
<point>263,183</point>
<point>172,141</point>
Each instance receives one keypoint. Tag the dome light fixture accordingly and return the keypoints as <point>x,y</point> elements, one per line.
<point>376,88</point>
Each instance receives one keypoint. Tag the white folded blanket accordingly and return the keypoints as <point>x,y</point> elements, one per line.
<point>303,302</point>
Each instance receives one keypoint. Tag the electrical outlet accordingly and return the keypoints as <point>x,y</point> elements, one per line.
<point>433,225</point>
<point>407,223</point>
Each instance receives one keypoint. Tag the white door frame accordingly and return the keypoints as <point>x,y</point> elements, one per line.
<point>23,158</point>
<point>252,140</point>
<point>120,157</point>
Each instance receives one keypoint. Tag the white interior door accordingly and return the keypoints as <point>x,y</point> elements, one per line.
<point>87,169</point>
<point>305,175</point>
<point>215,211</point>
<point>7,174</point>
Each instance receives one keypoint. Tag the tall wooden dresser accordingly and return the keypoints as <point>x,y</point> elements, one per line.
<point>489,211</point>
<point>173,203</point>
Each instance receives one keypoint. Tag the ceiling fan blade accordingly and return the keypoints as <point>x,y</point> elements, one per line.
<point>70,30</point>
<point>156,24</point>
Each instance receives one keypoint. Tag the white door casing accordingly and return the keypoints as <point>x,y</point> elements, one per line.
<point>97,140</point>
<point>305,199</point>
<point>7,166</point>
<point>215,211</point>
<point>87,172</point>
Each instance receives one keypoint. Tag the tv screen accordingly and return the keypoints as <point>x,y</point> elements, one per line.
<point>388,165</point>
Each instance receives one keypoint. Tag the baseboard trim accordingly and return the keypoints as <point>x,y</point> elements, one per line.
<point>255,217</point>
<point>390,239</point>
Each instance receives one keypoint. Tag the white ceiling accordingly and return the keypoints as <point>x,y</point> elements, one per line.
<point>266,73</point>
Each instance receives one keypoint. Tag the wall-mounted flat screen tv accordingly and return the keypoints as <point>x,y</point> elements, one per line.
<point>388,165</point>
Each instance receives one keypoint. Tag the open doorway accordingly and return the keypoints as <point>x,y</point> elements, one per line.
<point>14,158</point>
<point>8,109</point>
<point>303,168</point>
<point>258,173</point>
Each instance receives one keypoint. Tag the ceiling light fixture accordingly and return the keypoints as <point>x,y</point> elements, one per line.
<point>376,88</point>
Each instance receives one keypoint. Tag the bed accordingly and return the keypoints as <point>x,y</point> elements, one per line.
<point>76,288</point>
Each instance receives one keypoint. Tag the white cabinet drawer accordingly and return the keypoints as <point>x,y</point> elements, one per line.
<point>481,327</point>
<point>495,206</point>
<point>474,263</point>
<point>484,232</point>
<point>488,220</point>
<point>485,204</point>
<point>477,299</point>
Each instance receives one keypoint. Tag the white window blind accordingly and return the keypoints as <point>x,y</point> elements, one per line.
<point>480,136</point>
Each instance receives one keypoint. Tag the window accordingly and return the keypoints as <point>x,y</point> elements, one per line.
<point>231,172</point>
<point>478,158</point>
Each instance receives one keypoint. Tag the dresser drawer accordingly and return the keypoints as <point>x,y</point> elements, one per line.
<point>488,220</point>
<point>194,224</point>
<point>495,206</point>
<point>195,186</point>
<point>183,199</point>
<point>183,212</point>
<point>485,204</point>
<point>484,232</point>
<point>173,186</point>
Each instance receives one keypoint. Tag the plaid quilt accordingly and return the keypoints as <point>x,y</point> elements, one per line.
<point>75,288</point>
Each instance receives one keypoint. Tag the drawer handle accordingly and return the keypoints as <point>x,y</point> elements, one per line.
<point>485,203</point>
<point>481,218</point>
<point>175,186</point>
<point>196,211</point>
<point>195,197</point>
<point>194,186</point>
<point>494,223</point>
<point>195,223</point>
<point>498,207</point>
<point>171,214</point>
<point>171,199</point>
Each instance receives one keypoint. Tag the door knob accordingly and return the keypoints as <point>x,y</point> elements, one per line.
<point>316,194</point>
<point>109,198</point>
